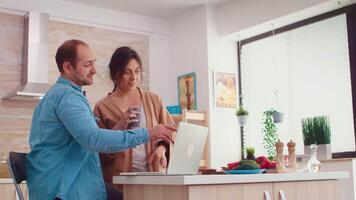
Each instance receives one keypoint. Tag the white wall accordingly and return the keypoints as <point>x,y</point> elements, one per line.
<point>235,16</point>
<point>224,131</point>
<point>189,53</point>
<point>160,68</point>
<point>197,47</point>
<point>67,10</point>
<point>248,18</point>
<point>157,30</point>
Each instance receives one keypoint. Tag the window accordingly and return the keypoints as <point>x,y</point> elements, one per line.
<point>309,66</point>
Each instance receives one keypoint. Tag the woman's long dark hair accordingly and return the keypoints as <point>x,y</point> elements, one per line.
<point>119,60</point>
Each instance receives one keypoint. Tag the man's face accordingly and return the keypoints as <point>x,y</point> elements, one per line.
<point>83,73</point>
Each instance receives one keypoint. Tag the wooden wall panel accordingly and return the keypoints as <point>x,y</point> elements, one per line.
<point>15,116</point>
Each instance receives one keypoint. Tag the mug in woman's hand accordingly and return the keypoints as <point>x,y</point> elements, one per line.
<point>137,122</point>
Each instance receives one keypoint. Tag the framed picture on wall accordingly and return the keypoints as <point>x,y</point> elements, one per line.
<point>225,90</point>
<point>187,91</point>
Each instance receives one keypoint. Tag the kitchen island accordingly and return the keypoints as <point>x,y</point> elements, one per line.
<point>288,186</point>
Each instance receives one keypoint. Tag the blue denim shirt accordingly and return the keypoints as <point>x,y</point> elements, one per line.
<point>64,142</point>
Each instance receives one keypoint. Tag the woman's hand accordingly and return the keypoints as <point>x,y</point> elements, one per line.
<point>129,117</point>
<point>158,159</point>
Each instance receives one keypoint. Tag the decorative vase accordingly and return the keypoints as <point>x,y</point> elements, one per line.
<point>323,151</point>
<point>277,117</point>
<point>313,164</point>
<point>242,119</point>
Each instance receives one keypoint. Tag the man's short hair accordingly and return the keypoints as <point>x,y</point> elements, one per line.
<point>67,52</point>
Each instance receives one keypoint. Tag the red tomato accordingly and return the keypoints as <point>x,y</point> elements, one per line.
<point>261,159</point>
<point>232,165</point>
<point>272,165</point>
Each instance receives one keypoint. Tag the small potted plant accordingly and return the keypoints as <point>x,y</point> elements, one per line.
<point>250,151</point>
<point>277,116</point>
<point>316,130</point>
<point>241,115</point>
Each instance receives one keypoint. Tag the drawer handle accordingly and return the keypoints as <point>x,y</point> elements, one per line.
<point>266,195</point>
<point>282,196</point>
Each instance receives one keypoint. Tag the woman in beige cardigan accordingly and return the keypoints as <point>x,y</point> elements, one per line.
<point>113,112</point>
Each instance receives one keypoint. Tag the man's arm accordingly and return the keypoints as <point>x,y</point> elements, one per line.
<point>76,116</point>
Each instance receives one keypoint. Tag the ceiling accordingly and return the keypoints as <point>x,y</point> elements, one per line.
<point>163,9</point>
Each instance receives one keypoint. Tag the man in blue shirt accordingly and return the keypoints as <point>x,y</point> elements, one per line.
<point>64,139</point>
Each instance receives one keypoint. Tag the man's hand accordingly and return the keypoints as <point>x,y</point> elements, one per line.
<point>161,132</point>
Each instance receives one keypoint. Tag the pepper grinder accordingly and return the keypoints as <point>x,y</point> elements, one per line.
<point>280,163</point>
<point>291,155</point>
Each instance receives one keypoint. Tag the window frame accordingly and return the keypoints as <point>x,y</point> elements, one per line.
<point>350,12</point>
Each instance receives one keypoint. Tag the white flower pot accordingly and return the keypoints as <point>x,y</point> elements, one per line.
<point>242,120</point>
<point>323,151</point>
<point>277,117</point>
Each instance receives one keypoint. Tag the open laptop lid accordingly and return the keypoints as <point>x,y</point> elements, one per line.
<point>188,149</point>
<point>187,152</point>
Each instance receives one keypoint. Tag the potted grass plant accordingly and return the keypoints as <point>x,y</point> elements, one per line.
<point>241,115</point>
<point>316,130</point>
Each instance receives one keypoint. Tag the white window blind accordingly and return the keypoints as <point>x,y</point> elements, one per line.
<point>309,67</point>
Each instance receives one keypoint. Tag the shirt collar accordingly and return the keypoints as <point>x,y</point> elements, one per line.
<point>65,81</point>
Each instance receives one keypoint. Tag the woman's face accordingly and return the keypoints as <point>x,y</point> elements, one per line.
<point>130,76</point>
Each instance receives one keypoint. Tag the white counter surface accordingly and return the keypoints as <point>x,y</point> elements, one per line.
<point>6,181</point>
<point>224,179</point>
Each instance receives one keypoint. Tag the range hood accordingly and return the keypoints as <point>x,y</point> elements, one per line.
<point>34,76</point>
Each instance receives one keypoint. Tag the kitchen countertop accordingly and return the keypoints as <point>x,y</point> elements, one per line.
<point>6,181</point>
<point>224,179</point>
<point>220,179</point>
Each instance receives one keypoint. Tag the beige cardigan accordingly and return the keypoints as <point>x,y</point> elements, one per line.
<point>108,113</point>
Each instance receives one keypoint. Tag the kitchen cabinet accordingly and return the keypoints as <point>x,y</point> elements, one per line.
<point>345,188</point>
<point>306,190</point>
<point>258,191</point>
<point>289,186</point>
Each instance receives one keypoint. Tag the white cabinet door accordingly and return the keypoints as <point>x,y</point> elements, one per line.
<point>307,190</point>
<point>259,191</point>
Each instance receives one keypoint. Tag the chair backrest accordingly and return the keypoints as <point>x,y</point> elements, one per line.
<point>194,117</point>
<point>17,167</point>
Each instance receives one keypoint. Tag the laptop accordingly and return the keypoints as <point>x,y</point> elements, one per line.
<point>187,152</point>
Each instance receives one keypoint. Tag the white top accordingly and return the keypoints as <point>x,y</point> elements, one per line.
<point>226,179</point>
<point>139,156</point>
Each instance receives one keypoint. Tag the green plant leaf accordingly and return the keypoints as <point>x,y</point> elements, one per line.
<point>269,131</point>
<point>241,111</point>
<point>316,130</point>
